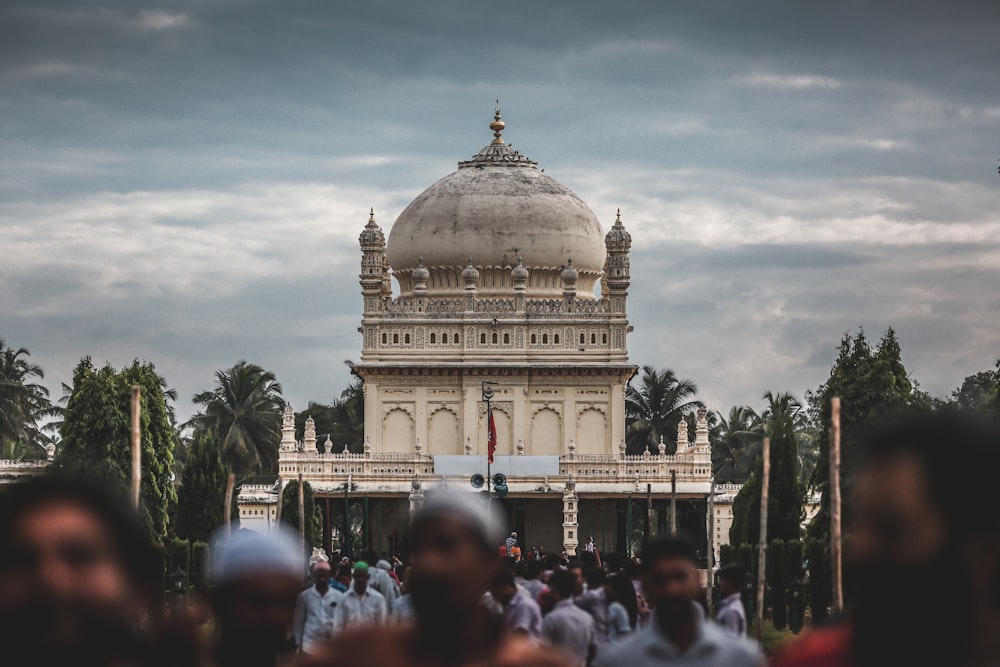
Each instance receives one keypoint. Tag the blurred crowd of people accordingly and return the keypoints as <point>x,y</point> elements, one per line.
<point>81,583</point>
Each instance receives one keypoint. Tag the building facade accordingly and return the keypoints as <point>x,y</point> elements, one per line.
<point>505,284</point>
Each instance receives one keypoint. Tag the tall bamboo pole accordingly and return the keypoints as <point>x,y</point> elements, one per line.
<point>762,558</point>
<point>136,447</point>
<point>302,512</point>
<point>709,526</point>
<point>835,535</point>
<point>227,511</point>
<point>673,502</point>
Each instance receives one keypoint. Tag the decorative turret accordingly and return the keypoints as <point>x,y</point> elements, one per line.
<point>328,444</point>
<point>701,440</point>
<point>519,277</point>
<point>470,276</point>
<point>569,278</point>
<point>309,439</point>
<point>682,435</point>
<point>287,430</point>
<point>373,260</point>
<point>420,277</point>
<point>616,266</point>
<point>385,290</point>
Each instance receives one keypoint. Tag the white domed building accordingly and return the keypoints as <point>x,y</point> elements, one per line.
<point>497,269</point>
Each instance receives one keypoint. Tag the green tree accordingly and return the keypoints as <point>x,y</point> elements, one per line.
<point>871,384</point>
<point>343,420</point>
<point>349,417</point>
<point>783,418</point>
<point>23,406</point>
<point>314,515</point>
<point>244,410</point>
<point>96,432</point>
<point>202,490</point>
<point>654,408</point>
<point>777,580</point>
<point>736,444</point>
<point>978,391</point>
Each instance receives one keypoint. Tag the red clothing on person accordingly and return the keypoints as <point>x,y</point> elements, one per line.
<point>503,551</point>
<point>828,646</point>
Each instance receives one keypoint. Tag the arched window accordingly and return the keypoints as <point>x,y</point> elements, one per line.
<point>495,338</point>
<point>555,339</point>
<point>533,339</point>
<point>395,339</point>
<point>482,339</point>
<point>582,339</point>
<point>604,339</point>
<point>506,339</point>
<point>406,339</point>
<point>545,339</point>
<point>433,338</point>
<point>593,339</point>
<point>385,339</point>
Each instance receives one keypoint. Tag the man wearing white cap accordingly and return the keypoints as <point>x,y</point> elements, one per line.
<point>314,611</point>
<point>255,580</point>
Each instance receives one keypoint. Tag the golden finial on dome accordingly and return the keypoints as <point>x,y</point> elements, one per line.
<point>497,125</point>
<point>371,214</point>
<point>619,215</point>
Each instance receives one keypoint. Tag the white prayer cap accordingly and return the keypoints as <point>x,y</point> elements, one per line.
<point>471,509</point>
<point>245,554</point>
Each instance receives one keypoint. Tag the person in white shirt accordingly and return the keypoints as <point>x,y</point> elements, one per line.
<point>313,620</point>
<point>360,605</point>
<point>731,615</point>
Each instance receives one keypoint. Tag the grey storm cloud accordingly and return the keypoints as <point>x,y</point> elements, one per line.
<point>185,182</point>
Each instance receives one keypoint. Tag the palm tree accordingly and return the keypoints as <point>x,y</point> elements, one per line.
<point>654,408</point>
<point>244,411</point>
<point>23,404</point>
<point>737,445</point>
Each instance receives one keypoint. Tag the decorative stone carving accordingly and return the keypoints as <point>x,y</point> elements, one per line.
<point>328,445</point>
<point>468,446</point>
<point>682,435</point>
<point>520,447</point>
<point>662,447</point>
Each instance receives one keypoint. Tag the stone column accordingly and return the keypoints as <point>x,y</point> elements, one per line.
<point>416,496</point>
<point>571,527</point>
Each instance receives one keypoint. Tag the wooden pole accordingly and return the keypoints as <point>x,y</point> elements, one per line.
<point>710,561</point>
<point>673,502</point>
<point>227,509</point>
<point>762,558</point>
<point>302,512</point>
<point>649,514</point>
<point>136,447</point>
<point>281,495</point>
<point>835,535</point>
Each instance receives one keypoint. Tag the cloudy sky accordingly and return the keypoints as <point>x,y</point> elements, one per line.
<point>185,182</point>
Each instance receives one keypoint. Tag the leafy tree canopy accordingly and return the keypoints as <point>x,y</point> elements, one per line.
<point>24,405</point>
<point>872,383</point>
<point>654,407</point>
<point>96,432</point>
<point>244,410</point>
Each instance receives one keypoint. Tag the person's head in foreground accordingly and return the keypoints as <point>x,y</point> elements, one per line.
<point>922,551</point>
<point>924,548</point>
<point>255,582</point>
<point>670,579</point>
<point>78,573</point>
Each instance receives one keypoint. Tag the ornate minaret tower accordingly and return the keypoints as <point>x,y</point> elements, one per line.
<point>373,262</point>
<point>616,267</point>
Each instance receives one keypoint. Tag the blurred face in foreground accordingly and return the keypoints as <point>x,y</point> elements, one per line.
<point>450,569</point>
<point>671,585</point>
<point>914,599</point>
<point>896,522</point>
<point>63,579</point>
<point>256,612</point>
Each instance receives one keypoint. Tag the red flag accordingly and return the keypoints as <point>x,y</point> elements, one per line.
<point>491,436</point>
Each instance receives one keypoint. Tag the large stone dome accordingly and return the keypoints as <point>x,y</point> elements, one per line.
<point>493,209</point>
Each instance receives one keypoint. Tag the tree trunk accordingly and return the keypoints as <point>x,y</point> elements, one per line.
<point>227,510</point>
<point>136,447</point>
<point>835,537</point>
<point>762,559</point>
